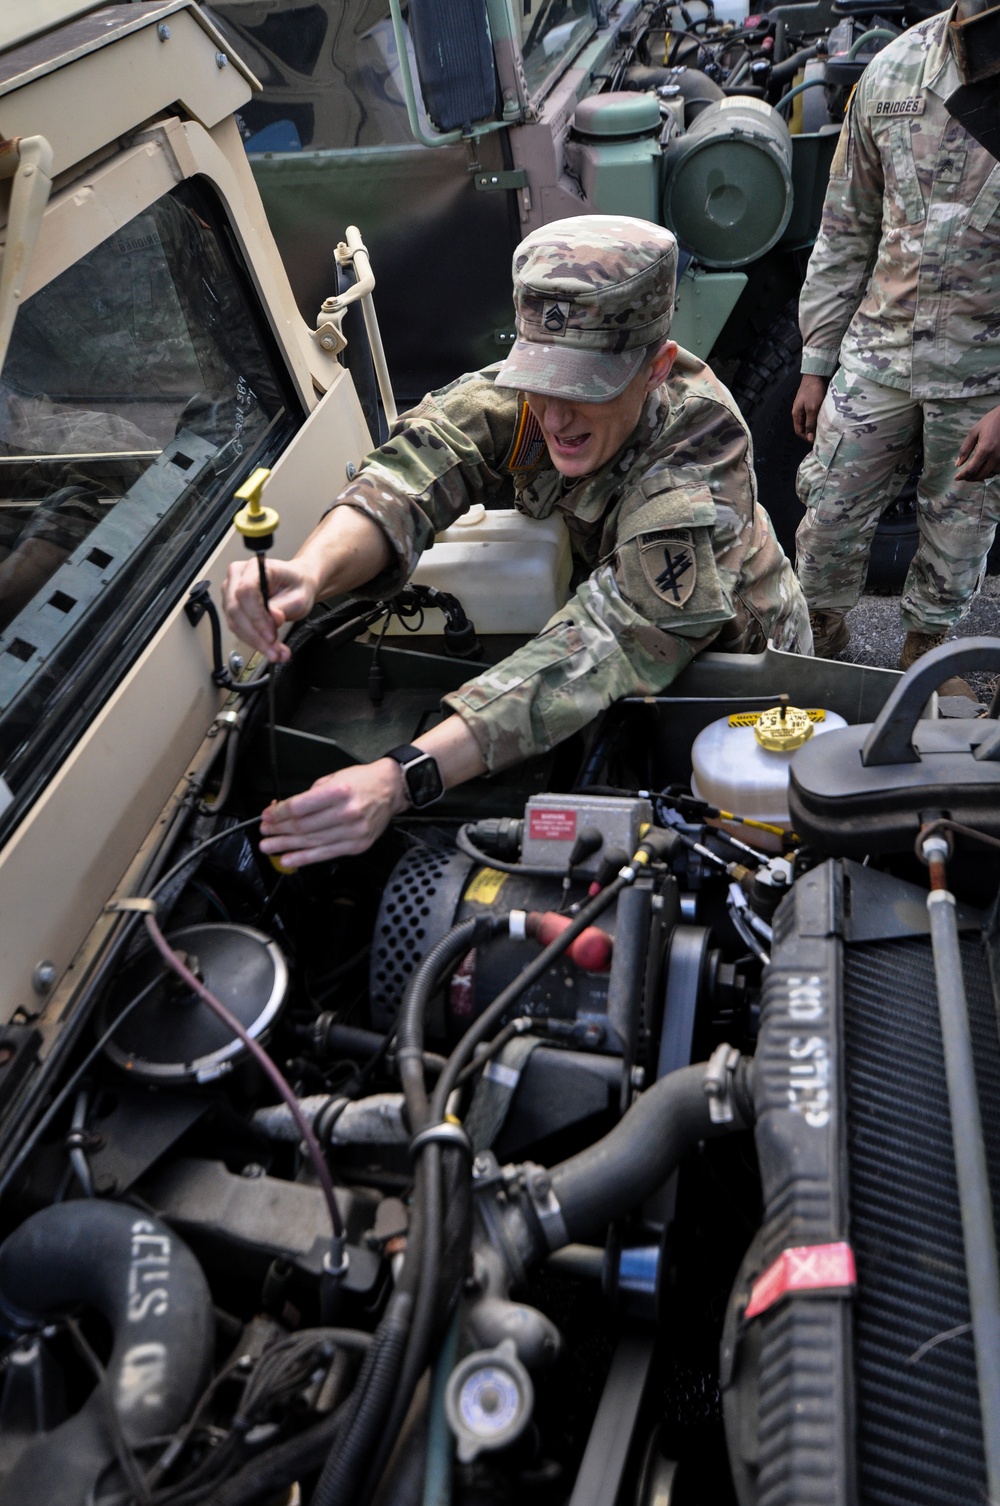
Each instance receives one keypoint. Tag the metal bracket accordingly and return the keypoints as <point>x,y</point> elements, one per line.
<point>719,1083</point>
<point>496,182</point>
<point>27,161</point>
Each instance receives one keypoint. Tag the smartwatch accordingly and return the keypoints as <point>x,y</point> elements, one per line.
<point>421,774</point>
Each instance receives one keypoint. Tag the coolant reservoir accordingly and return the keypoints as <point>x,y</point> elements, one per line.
<point>740,763</point>
<point>509,572</point>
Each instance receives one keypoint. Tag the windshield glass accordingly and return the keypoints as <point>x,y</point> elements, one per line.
<point>136,395</point>
<point>331,74</point>
<point>551,30</point>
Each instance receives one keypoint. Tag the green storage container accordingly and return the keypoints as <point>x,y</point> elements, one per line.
<point>615,151</point>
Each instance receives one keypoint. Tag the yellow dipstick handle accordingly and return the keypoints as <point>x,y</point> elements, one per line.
<point>255,521</point>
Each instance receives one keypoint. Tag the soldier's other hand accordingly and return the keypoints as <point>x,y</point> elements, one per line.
<point>979,455</point>
<point>291,596</point>
<point>805,408</point>
<point>340,814</point>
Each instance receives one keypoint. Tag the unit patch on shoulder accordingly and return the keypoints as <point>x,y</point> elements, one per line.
<point>912,106</point>
<point>669,565</point>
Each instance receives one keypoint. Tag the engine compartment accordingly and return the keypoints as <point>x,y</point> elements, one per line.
<point>527,1103</point>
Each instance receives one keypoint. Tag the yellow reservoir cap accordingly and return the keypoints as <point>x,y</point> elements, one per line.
<point>255,521</point>
<point>783,728</point>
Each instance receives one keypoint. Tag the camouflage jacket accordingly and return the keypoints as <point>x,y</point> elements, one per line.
<point>903,285</point>
<point>678,550</point>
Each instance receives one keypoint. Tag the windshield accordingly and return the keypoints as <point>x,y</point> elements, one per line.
<point>551,31</point>
<point>135,396</point>
<point>331,75</point>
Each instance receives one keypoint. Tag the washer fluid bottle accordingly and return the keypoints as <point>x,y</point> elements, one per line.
<point>740,763</point>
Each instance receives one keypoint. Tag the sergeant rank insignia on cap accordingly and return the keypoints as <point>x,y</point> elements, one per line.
<point>555,317</point>
<point>668,563</point>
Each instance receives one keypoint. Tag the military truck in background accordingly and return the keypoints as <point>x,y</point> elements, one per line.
<point>449,130</point>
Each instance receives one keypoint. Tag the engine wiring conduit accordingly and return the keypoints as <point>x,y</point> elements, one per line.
<point>978,1229</point>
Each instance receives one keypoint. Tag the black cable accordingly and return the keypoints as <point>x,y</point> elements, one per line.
<point>64,1093</point>
<point>123,1453</point>
<point>493,1049</point>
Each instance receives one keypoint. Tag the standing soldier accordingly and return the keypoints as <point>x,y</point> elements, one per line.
<point>903,290</point>
<point>598,416</point>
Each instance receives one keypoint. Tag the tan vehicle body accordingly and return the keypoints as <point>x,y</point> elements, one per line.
<point>129,112</point>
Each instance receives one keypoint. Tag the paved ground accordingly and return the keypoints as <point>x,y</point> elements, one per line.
<point>877,635</point>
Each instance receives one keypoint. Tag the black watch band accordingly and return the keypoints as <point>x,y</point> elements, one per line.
<point>421,774</point>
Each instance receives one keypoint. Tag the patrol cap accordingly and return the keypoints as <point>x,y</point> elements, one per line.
<point>591,294</point>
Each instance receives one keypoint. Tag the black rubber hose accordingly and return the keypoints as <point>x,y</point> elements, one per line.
<point>443,956</point>
<point>154,1296</point>
<point>628,974</point>
<point>346,1466</point>
<point>614,1175</point>
<point>784,72</point>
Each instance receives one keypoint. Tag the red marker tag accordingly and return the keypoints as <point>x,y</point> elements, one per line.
<point>806,1268</point>
<point>552,825</point>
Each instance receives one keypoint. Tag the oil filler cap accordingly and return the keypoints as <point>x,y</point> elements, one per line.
<point>488,1400</point>
<point>783,729</point>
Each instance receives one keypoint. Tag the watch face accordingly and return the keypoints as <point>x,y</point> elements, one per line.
<point>423,781</point>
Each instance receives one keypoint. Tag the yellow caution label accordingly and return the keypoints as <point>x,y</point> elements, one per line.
<point>486,886</point>
<point>751,718</point>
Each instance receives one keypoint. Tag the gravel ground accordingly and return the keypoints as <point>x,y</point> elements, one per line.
<point>877,634</point>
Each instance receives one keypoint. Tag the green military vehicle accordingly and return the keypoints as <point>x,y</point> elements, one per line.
<point>451,131</point>
<point>587,1141</point>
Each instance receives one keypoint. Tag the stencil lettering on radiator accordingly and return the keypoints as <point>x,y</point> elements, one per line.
<point>809,1068</point>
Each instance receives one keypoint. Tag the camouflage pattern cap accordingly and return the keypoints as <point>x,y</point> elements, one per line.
<point>590,295</point>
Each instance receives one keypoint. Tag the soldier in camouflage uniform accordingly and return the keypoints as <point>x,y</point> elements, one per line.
<point>595,415</point>
<point>903,290</point>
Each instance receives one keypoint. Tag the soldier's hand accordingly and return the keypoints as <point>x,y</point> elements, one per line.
<point>292,596</point>
<point>340,814</point>
<point>979,455</point>
<point>805,408</point>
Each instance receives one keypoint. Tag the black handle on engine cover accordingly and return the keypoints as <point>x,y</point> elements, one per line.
<point>891,737</point>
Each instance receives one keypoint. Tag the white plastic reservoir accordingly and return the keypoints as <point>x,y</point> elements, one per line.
<point>740,763</point>
<point>509,572</point>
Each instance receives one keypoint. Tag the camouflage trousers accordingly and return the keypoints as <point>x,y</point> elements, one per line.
<point>868,439</point>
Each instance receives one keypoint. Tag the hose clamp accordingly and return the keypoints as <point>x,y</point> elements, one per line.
<point>444,1133</point>
<point>718,1083</point>
<point>547,1209</point>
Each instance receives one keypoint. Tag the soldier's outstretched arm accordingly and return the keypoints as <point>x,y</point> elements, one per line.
<point>979,455</point>
<point>344,813</point>
<point>442,456</point>
<point>343,552</point>
<point>848,241</point>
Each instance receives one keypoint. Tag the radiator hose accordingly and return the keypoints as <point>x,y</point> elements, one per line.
<point>614,1175</point>
<point>153,1294</point>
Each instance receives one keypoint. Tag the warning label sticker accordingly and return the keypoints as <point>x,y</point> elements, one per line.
<point>552,825</point>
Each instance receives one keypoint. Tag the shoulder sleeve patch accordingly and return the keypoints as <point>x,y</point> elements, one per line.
<point>669,564</point>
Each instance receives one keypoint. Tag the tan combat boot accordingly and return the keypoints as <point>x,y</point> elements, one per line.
<point>918,644</point>
<point>831,634</point>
